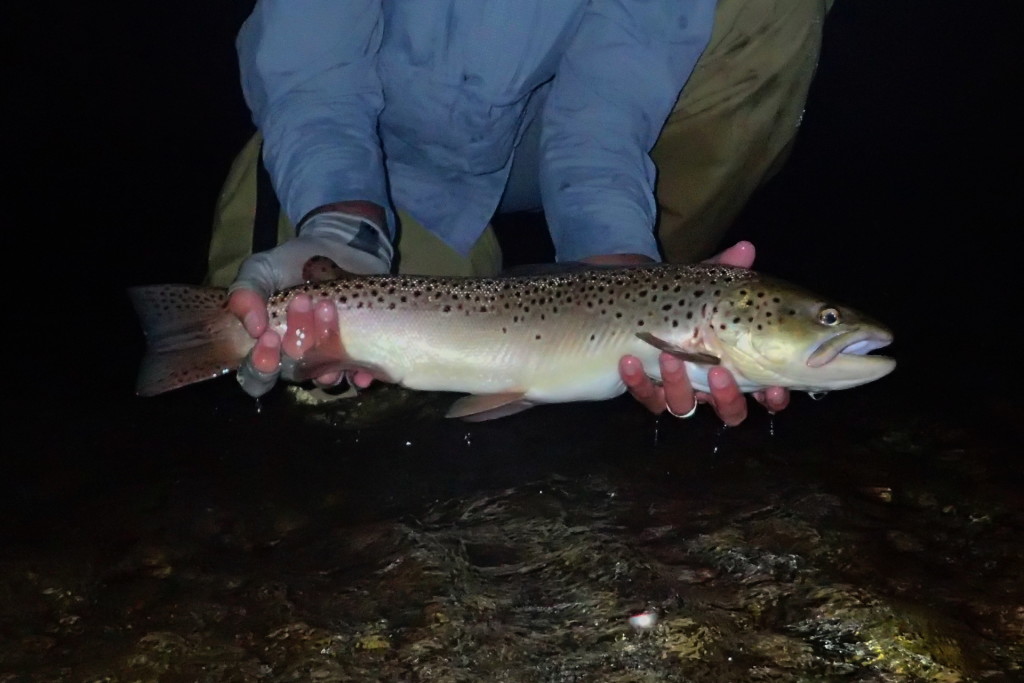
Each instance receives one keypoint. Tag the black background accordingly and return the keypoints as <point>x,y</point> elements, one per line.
<point>900,196</point>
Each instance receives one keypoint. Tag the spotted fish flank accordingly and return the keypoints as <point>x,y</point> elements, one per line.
<point>518,341</point>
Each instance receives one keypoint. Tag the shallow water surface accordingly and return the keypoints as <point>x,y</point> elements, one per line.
<point>862,537</point>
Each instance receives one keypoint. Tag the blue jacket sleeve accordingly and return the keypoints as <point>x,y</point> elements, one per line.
<point>309,75</point>
<point>613,90</point>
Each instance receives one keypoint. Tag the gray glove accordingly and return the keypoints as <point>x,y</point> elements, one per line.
<point>354,243</point>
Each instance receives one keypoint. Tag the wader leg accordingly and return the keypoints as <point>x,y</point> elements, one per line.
<point>735,120</point>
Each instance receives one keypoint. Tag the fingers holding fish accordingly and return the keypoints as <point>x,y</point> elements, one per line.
<point>309,326</point>
<point>740,254</point>
<point>249,307</point>
<point>311,336</point>
<point>327,336</point>
<point>642,387</point>
<point>773,398</point>
<point>259,371</point>
<point>673,392</point>
<point>680,399</point>
<point>728,401</point>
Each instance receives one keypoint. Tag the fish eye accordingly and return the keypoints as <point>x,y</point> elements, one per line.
<point>829,316</point>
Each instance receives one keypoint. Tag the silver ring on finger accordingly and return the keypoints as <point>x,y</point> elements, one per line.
<point>693,411</point>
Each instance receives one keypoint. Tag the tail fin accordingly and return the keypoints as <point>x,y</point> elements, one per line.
<point>191,333</point>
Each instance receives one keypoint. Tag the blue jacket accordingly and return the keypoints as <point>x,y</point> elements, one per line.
<point>422,102</point>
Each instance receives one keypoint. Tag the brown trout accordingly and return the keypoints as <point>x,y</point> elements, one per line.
<point>514,342</point>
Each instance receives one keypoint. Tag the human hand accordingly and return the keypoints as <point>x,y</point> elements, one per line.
<point>346,239</point>
<point>676,394</point>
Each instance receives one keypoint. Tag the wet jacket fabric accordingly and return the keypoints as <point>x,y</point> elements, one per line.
<point>422,104</point>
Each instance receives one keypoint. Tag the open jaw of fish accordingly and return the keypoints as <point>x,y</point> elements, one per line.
<point>515,342</point>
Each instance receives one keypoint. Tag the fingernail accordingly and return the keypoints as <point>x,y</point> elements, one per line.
<point>323,312</point>
<point>302,304</point>
<point>252,320</point>
<point>671,364</point>
<point>718,380</point>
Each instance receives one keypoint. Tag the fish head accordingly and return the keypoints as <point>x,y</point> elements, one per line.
<point>772,333</point>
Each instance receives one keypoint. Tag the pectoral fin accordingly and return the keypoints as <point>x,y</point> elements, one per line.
<point>478,408</point>
<point>678,352</point>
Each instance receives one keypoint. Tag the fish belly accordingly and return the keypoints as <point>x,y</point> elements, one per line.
<point>558,361</point>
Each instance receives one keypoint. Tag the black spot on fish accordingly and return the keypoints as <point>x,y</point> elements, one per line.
<point>699,293</point>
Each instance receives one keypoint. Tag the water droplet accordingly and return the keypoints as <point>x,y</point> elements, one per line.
<point>817,395</point>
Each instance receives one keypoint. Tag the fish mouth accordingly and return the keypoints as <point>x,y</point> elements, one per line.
<point>852,343</point>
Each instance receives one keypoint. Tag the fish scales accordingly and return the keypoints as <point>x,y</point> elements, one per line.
<point>546,338</point>
<point>560,335</point>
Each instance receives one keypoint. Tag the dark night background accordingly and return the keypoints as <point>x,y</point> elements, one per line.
<point>899,198</point>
